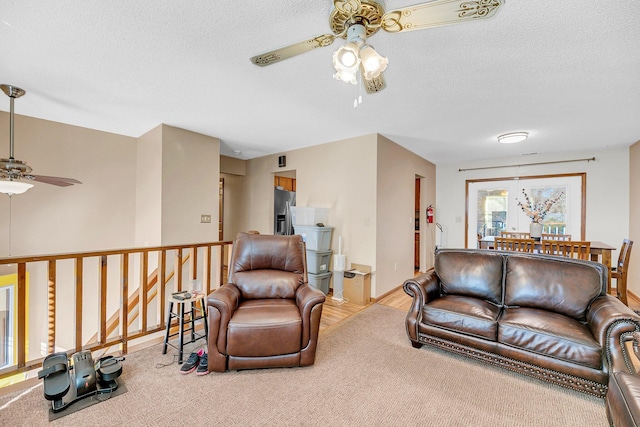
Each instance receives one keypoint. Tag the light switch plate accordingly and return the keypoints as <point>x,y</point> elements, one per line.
<point>205,218</point>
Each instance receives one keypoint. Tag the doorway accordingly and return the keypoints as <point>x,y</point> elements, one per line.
<point>284,198</point>
<point>416,249</point>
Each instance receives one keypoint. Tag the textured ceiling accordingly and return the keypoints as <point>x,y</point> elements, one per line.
<point>567,72</point>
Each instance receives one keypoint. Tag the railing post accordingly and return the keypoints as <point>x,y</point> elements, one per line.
<point>206,270</point>
<point>177,271</point>
<point>102,337</point>
<point>143,290</point>
<point>78,276</point>
<point>162,283</point>
<point>193,263</point>
<point>22,315</point>
<point>51,303</point>
<point>124,295</point>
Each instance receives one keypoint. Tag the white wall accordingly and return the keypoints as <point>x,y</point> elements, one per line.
<point>607,195</point>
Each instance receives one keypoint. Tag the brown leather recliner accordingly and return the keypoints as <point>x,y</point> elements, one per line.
<point>267,315</point>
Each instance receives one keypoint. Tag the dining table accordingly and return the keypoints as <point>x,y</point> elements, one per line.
<point>598,252</point>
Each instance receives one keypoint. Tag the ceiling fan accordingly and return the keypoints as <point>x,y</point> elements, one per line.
<point>355,20</point>
<point>12,170</point>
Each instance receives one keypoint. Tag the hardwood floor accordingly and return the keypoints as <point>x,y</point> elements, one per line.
<point>334,312</point>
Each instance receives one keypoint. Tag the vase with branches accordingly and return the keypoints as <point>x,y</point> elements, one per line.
<point>537,210</point>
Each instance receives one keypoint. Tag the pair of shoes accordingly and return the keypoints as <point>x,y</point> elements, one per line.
<point>192,362</point>
<point>203,366</point>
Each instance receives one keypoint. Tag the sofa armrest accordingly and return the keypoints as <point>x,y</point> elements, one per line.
<point>422,288</point>
<point>221,304</point>
<point>612,324</point>
<point>308,297</point>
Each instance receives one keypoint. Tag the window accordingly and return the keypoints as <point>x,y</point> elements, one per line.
<point>7,330</point>
<point>492,205</point>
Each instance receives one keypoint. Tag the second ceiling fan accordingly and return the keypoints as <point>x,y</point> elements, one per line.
<point>356,20</point>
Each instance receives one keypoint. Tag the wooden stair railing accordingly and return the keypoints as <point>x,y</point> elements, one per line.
<point>132,307</point>
<point>147,288</point>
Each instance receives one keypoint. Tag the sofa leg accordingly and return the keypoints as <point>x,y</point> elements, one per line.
<point>416,344</point>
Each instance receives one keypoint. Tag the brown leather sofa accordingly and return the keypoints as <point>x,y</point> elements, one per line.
<point>545,316</point>
<point>623,397</point>
<point>267,315</point>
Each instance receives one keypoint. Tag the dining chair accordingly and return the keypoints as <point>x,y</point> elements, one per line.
<point>512,244</point>
<point>515,235</point>
<point>566,248</point>
<point>550,236</point>
<point>619,272</point>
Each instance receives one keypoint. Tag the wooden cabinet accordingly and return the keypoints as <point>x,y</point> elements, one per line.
<point>288,184</point>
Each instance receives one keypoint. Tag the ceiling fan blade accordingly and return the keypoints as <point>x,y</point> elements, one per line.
<point>438,13</point>
<point>55,180</point>
<point>277,55</point>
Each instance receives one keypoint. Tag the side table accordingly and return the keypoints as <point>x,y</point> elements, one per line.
<point>187,318</point>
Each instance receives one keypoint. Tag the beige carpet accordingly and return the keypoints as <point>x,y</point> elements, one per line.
<point>366,373</point>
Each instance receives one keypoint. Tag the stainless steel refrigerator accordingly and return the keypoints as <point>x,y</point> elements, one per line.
<point>282,201</point>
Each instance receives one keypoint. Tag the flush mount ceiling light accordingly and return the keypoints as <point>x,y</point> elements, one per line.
<point>356,20</point>
<point>513,137</point>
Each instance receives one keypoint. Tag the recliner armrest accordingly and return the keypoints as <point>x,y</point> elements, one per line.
<point>225,301</point>
<point>307,297</point>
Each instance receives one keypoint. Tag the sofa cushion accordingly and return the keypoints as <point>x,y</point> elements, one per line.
<point>267,327</point>
<point>466,315</point>
<point>556,284</point>
<point>549,334</point>
<point>258,284</point>
<point>476,274</point>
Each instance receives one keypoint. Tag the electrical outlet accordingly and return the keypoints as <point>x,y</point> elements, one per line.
<point>205,218</point>
<point>395,267</point>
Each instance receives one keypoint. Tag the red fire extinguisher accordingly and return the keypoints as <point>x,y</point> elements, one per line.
<point>430,214</point>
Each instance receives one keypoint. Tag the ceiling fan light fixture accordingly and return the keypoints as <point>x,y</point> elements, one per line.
<point>11,187</point>
<point>346,76</point>
<point>512,137</point>
<point>372,62</point>
<point>346,63</point>
<point>346,57</point>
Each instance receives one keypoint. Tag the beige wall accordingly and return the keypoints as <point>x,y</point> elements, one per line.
<point>234,206</point>
<point>97,214</point>
<point>397,170</point>
<point>344,176</point>
<point>633,279</point>
<point>148,215</point>
<point>339,175</point>
<point>235,214</point>
<point>177,182</point>
<point>233,166</point>
<point>190,176</point>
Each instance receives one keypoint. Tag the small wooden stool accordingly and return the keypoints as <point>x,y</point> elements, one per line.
<point>182,321</point>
